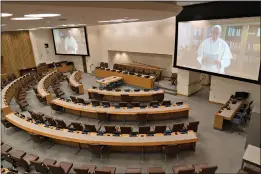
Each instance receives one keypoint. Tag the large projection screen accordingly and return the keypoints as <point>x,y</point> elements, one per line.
<point>71,41</point>
<point>229,47</point>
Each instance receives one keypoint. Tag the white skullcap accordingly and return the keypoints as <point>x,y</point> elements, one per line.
<point>217,26</point>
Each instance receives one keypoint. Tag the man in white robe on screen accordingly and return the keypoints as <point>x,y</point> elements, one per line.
<point>70,44</point>
<point>214,53</point>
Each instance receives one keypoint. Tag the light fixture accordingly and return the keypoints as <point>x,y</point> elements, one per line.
<point>71,25</point>
<point>42,15</point>
<point>119,20</point>
<point>25,18</point>
<point>6,14</point>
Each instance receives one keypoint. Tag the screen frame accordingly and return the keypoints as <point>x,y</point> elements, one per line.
<point>208,11</point>
<point>86,41</point>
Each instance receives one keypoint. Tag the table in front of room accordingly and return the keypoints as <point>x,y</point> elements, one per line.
<point>251,156</point>
<point>108,80</point>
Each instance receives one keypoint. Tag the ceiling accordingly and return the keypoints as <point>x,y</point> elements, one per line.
<point>86,13</point>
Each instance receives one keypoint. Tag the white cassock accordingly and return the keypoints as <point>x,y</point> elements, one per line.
<point>217,50</point>
<point>70,45</point>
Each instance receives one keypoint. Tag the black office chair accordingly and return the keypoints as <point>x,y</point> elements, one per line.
<point>50,121</point>
<point>90,128</point>
<point>60,124</point>
<point>110,129</point>
<point>95,103</point>
<point>153,103</point>
<point>105,103</point>
<point>160,129</point>
<point>144,130</point>
<point>77,126</point>
<point>126,130</point>
<point>123,104</point>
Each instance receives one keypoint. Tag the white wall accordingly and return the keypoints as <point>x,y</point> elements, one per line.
<point>41,54</point>
<point>221,89</point>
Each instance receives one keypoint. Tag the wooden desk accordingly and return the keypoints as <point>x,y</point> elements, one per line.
<point>140,96</point>
<point>92,138</point>
<point>251,156</point>
<point>127,78</point>
<point>108,80</point>
<point>43,85</point>
<point>124,114</point>
<point>74,79</point>
<point>227,114</point>
<point>11,89</point>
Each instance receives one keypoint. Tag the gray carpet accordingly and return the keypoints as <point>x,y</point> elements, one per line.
<point>222,148</point>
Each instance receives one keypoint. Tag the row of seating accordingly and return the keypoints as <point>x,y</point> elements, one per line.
<point>50,166</point>
<point>10,78</point>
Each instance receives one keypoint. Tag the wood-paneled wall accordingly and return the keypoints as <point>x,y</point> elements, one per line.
<point>17,51</point>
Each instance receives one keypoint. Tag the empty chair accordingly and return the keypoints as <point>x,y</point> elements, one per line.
<point>62,168</point>
<point>81,100</point>
<point>95,103</point>
<point>142,118</point>
<point>85,169</point>
<point>123,104</point>
<point>152,103</point>
<point>105,103</point>
<point>158,97</point>
<point>170,150</point>
<point>177,127</point>
<point>5,148</point>
<point>135,104</point>
<point>144,129</point>
<point>160,129</point>
<point>41,167</point>
<point>24,162</point>
<point>204,168</point>
<point>133,171</point>
<point>6,124</point>
<point>38,117</point>
<point>193,126</point>
<point>97,149</point>
<point>126,130</point>
<point>38,139</point>
<point>183,169</point>
<point>90,128</point>
<point>50,121</point>
<point>166,103</point>
<point>60,124</point>
<point>77,126</point>
<point>125,98</point>
<point>105,170</point>
<point>74,99</point>
<point>155,170</point>
<point>110,129</point>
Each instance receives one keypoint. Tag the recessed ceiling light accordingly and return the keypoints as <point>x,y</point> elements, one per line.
<point>42,15</point>
<point>25,18</point>
<point>6,14</point>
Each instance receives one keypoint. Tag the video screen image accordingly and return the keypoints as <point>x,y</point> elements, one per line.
<point>70,41</point>
<point>224,46</point>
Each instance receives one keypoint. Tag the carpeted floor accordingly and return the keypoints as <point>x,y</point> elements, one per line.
<point>222,148</point>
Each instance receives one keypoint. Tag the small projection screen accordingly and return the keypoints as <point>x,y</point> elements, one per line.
<point>229,47</point>
<point>70,41</point>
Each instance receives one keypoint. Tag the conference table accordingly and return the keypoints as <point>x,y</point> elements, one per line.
<point>227,114</point>
<point>136,96</point>
<point>140,80</point>
<point>10,90</point>
<point>108,80</point>
<point>74,79</point>
<point>123,142</point>
<point>123,113</point>
<point>43,85</point>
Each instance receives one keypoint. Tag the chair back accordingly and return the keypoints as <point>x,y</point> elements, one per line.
<point>60,123</point>
<point>160,129</point>
<point>40,167</point>
<point>193,126</point>
<point>6,123</point>
<point>102,116</point>
<point>50,120</point>
<point>158,97</point>
<point>90,128</point>
<point>178,127</point>
<point>209,170</point>
<point>81,170</point>
<point>74,99</point>
<point>142,118</point>
<point>102,171</point>
<point>115,66</point>
<point>144,129</point>
<point>126,130</point>
<point>187,171</point>
<point>166,102</point>
<point>56,169</point>
<point>22,163</point>
<point>110,129</point>
<point>77,126</point>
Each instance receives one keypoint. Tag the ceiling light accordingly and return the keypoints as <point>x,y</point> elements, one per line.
<point>42,15</point>
<point>6,14</point>
<point>25,18</point>
<point>119,20</point>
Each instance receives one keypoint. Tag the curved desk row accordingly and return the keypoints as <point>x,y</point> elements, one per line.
<point>134,80</point>
<point>123,113</point>
<point>74,79</point>
<point>139,96</point>
<point>11,89</point>
<point>124,140</point>
<point>43,85</point>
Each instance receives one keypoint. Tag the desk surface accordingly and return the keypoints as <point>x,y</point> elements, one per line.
<point>108,80</point>
<point>41,87</point>
<point>229,114</point>
<point>131,93</point>
<point>72,79</point>
<point>122,110</point>
<point>142,66</point>
<point>252,155</point>
<point>92,138</point>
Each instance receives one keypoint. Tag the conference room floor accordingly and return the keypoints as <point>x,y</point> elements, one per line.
<point>222,148</point>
